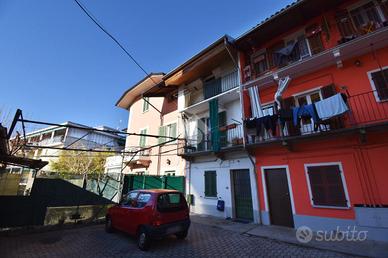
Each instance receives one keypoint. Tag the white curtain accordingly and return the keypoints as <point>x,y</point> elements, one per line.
<point>255,102</point>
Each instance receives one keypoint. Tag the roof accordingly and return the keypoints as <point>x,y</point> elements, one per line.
<point>69,123</point>
<point>289,17</point>
<point>273,16</point>
<point>200,54</point>
<point>134,92</point>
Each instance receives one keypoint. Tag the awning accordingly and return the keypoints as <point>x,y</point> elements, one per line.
<point>24,162</point>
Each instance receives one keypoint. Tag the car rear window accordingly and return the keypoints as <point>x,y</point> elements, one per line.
<point>171,202</point>
<point>142,199</point>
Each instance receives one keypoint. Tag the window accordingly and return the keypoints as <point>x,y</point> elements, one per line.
<point>167,130</point>
<point>273,57</point>
<point>365,17</point>
<point>171,202</point>
<point>143,138</point>
<point>307,99</point>
<point>326,185</point>
<point>301,49</point>
<point>143,199</point>
<point>170,173</point>
<point>259,62</point>
<point>129,198</point>
<point>344,24</point>
<point>210,183</point>
<point>146,104</point>
<point>313,35</point>
<point>268,110</point>
<point>379,81</point>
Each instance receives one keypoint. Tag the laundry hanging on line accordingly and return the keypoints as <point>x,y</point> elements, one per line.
<point>305,111</point>
<point>331,107</point>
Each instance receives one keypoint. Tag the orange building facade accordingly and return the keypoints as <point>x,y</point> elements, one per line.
<point>322,172</point>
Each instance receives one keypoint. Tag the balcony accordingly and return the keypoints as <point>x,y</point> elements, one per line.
<point>231,136</point>
<point>224,88</point>
<point>364,113</point>
<point>357,45</point>
<point>141,160</point>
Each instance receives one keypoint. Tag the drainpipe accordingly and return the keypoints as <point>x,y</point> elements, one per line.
<point>160,148</point>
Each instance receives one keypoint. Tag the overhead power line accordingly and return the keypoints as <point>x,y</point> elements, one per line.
<point>95,129</point>
<point>91,16</point>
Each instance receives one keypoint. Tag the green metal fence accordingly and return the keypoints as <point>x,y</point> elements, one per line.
<point>133,182</point>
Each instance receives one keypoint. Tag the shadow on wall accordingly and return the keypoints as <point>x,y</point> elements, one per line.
<point>50,196</point>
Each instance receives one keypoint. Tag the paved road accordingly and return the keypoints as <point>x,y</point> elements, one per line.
<point>203,241</point>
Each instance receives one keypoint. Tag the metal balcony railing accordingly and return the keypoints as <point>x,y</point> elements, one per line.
<point>214,88</point>
<point>365,109</point>
<point>230,135</point>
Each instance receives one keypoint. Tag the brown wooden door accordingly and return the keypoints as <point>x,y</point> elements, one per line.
<point>278,195</point>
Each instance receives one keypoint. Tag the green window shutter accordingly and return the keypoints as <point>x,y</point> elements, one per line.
<point>173,130</point>
<point>142,141</point>
<point>210,183</point>
<point>146,105</point>
<point>162,132</point>
<point>214,126</point>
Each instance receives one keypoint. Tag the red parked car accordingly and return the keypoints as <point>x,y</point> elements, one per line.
<point>150,214</point>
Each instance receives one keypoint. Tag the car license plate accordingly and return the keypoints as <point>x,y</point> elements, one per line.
<point>174,229</point>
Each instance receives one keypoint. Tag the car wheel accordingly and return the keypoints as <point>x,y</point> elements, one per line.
<point>182,235</point>
<point>143,240</point>
<point>108,225</point>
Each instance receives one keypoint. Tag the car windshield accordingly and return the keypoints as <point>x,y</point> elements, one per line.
<point>170,202</point>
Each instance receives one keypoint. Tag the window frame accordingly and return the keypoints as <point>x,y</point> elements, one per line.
<point>343,181</point>
<point>140,138</point>
<point>204,184</point>
<point>373,86</point>
<point>167,132</point>
<point>295,38</point>
<point>359,4</point>
<point>146,105</point>
<point>262,52</point>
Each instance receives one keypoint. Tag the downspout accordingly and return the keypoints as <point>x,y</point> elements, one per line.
<point>238,65</point>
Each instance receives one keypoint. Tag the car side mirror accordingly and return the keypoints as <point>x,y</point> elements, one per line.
<point>133,203</point>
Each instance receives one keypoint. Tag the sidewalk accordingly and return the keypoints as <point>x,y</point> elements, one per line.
<point>366,248</point>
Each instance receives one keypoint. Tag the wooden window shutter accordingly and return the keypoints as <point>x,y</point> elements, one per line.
<point>314,36</point>
<point>326,186</point>
<point>380,80</point>
<point>344,23</point>
<point>142,141</point>
<point>173,132</point>
<point>328,91</point>
<point>210,183</point>
<point>162,132</point>
<point>271,55</point>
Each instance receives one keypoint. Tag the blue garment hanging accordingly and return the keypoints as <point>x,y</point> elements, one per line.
<point>304,111</point>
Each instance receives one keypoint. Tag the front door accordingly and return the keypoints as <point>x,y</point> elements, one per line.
<point>278,196</point>
<point>242,194</point>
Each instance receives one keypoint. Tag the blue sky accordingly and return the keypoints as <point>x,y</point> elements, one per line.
<point>57,66</point>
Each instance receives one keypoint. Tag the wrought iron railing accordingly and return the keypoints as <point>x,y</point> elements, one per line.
<point>230,135</point>
<point>365,109</point>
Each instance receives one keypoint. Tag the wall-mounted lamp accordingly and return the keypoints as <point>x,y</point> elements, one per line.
<point>357,63</point>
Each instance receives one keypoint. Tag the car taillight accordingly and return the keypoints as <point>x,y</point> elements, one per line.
<point>156,223</point>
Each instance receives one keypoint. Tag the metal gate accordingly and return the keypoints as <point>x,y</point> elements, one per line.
<point>242,194</point>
